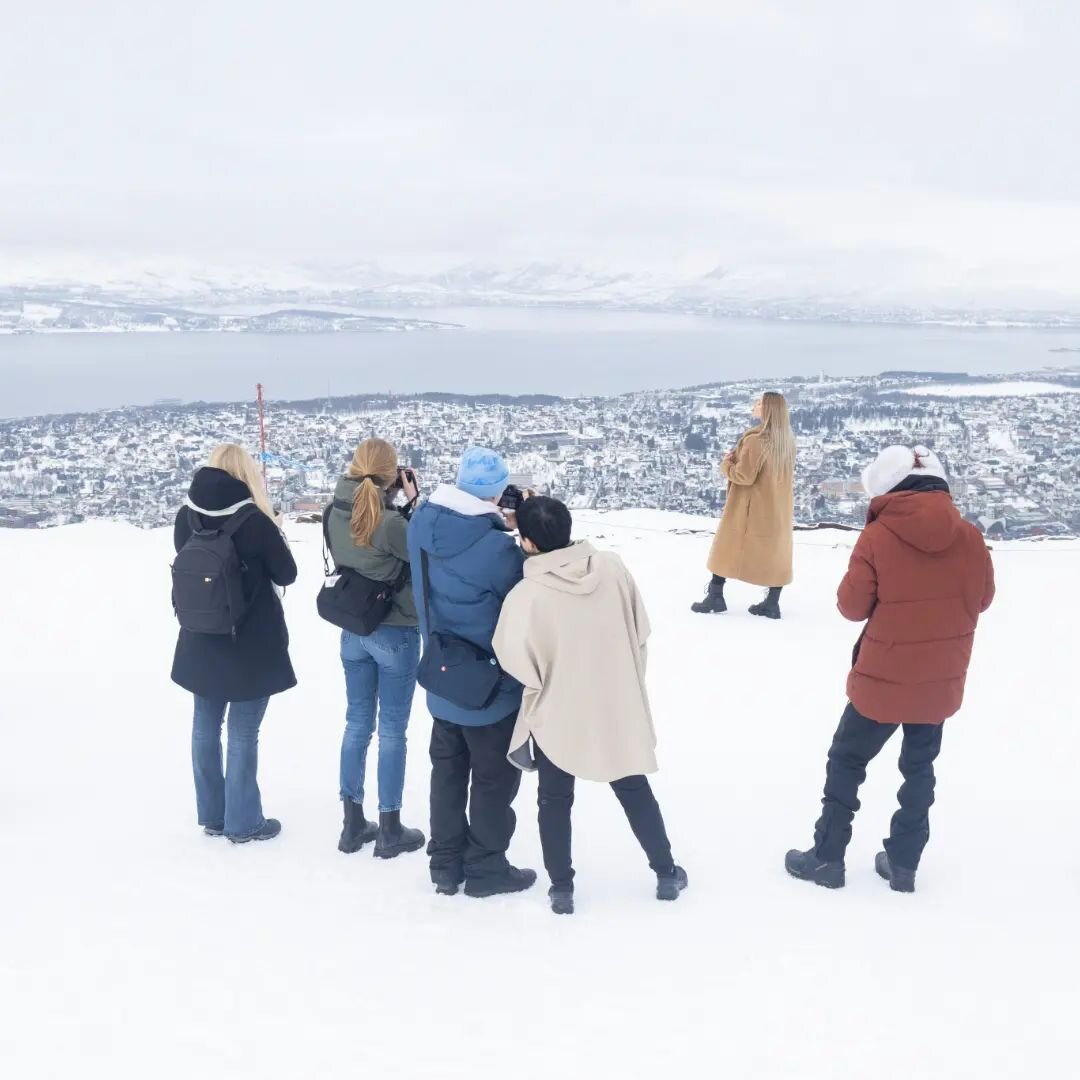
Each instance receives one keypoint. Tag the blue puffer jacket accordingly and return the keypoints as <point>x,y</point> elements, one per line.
<point>473,563</point>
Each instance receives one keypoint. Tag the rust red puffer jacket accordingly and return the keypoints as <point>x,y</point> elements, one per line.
<point>922,576</point>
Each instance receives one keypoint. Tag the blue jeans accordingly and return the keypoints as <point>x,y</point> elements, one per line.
<point>380,669</point>
<point>228,800</point>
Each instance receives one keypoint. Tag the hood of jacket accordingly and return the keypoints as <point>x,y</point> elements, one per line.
<point>926,520</point>
<point>452,521</point>
<point>214,493</point>
<point>568,570</point>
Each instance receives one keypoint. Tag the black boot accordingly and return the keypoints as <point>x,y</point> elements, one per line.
<point>769,608</point>
<point>562,899</point>
<point>512,881</point>
<point>899,878</point>
<point>446,882</point>
<point>806,866</point>
<point>357,830</point>
<point>668,886</point>
<point>713,604</point>
<point>394,838</point>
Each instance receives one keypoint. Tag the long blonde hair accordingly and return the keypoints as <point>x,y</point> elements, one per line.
<point>776,433</point>
<point>375,465</point>
<point>240,465</point>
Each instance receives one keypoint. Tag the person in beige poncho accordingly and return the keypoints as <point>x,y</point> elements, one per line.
<point>574,634</point>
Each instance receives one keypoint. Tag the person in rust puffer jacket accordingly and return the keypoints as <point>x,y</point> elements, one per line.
<point>920,576</point>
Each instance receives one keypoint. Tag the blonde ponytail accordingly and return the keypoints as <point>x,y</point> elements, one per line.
<point>375,465</point>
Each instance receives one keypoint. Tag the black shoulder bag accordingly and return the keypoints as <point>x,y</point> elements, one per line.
<point>349,600</point>
<point>452,667</point>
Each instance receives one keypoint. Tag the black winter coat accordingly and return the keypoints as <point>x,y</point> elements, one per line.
<point>256,664</point>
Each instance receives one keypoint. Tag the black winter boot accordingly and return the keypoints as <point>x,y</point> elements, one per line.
<point>769,608</point>
<point>395,839</point>
<point>446,882</point>
<point>806,866</point>
<point>357,830</point>
<point>669,886</point>
<point>267,831</point>
<point>512,881</point>
<point>713,604</point>
<point>899,878</point>
<point>562,899</point>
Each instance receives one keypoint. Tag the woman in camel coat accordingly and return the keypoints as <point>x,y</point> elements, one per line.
<point>753,541</point>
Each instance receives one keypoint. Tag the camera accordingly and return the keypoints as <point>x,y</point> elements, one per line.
<point>512,498</point>
<point>402,475</point>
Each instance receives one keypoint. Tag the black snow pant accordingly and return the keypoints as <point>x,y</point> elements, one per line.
<point>856,743</point>
<point>471,846</point>
<point>556,798</point>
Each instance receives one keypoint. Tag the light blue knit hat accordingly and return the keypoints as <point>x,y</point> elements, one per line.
<point>482,473</point>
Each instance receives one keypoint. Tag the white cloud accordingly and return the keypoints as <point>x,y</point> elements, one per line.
<point>750,132</point>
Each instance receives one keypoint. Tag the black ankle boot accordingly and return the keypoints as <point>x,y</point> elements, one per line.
<point>806,866</point>
<point>769,608</point>
<point>900,879</point>
<point>395,839</point>
<point>562,899</point>
<point>357,830</point>
<point>713,604</point>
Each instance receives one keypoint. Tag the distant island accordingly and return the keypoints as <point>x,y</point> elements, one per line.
<point>50,314</point>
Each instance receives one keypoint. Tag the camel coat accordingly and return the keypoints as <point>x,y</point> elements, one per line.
<point>753,541</point>
<point>574,634</point>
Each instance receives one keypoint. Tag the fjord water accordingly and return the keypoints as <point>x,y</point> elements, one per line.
<point>499,350</point>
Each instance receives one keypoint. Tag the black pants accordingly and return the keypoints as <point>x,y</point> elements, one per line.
<point>472,846</point>
<point>856,743</point>
<point>556,798</point>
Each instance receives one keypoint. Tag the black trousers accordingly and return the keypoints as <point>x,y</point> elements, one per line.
<point>556,799</point>
<point>471,845</point>
<point>856,743</point>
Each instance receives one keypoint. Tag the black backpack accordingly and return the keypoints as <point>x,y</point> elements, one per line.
<point>208,577</point>
<point>349,600</point>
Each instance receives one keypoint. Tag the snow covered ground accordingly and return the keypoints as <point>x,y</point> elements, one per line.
<point>990,389</point>
<point>133,946</point>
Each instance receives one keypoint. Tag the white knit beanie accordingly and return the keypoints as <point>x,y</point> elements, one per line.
<point>895,464</point>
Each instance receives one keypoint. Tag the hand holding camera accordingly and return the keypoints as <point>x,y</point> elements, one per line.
<point>407,482</point>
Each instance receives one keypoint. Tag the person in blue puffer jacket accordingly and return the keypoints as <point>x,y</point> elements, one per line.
<point>473,563</point>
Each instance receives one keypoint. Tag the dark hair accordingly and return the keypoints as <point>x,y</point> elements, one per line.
<point>546,522</point>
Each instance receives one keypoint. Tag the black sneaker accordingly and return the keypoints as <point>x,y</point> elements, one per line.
<point>806,866</point>
<point>395,839</point>
<point>213,830</point>
<point>512,880</point>
<point>267,831</point>
<point>668,886</point>
<point>562,899</point>
<point>356,830</point>
<point>899,878</point>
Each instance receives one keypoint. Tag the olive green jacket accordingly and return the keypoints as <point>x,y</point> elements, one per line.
<point>383,560</point>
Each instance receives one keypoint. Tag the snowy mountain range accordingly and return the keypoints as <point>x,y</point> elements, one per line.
<point>850,289</point>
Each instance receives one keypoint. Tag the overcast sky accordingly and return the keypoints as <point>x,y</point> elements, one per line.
<point>941,135</point>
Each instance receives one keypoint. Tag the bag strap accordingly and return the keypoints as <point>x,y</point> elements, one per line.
<point>425,588</point>
<point>228,525</point>
<point>327,551</point>
<point>238,519</point>
<point>326,539</point>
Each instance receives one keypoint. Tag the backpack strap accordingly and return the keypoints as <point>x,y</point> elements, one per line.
<point>236,520</point>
